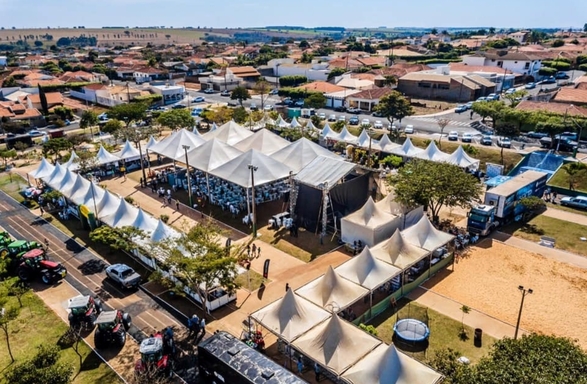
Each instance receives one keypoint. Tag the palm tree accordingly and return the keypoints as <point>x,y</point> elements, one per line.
<point>572,170</point>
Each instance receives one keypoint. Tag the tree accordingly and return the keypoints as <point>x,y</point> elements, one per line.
<point>434,185</point>
<point>465,309</point>
<point>262,87</point>
<point>43,367</point>
<point>43,99</point>
<point>506,129</point>
<point>6,155</point>
<point>76,139</point>
<point>442,123</point>
<point>316,100</point>
<point>129,112</point>
<point>434,31</point>
<point>176,119</point>
<point>531,204</point>
<point>304,44</point>
<point>240,94</point>
<point>89,119</point>
<point>240,115</point>
<point>572,170</point>
<point>515,98</point>
<point>394,106</point>
<point>38,43</point>
<point>53,147</point>
<point>9,82</point>
<point>19,146</point>
<point>122,238</point>
<point>112,125</point>
<point>336,71</point>
<point>491,109</point>
<point>585,27</point>
<point>557,43</point>
<point>552,126</point>
<point>7,315</point>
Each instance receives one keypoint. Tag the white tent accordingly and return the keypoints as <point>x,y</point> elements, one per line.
<point>328,133</point>
<point>73,163</point>
<point>105,157</point>
<point>369,224</point>
<point>55,177</point>
<point>87,195</point>
<point>462,159</point>
<point>301,153</point>
<point>347,137</point>
<point>386,365</point>
<point>145,222</point>
<point>364,140</point>
<point>432,153</point>
<point>108,205</point>
<point>385,144</point>
<point>125,215</point>
<point>263,141</point>
<point>172,146</point>
<point>281,123</point>
<point>237,170</point>
<point>310,127</point>
<point>406,150</point>
<point>332,291</point>
<point>324,169</point>
<point>266,120</point>
<point>290,316</point>
<point>128,152</point>
<point>43,170</point>
<point>212,154</point>
<point>398,251</point>
<point>230,133</point>
<point>213,128</point>
<point>424,235</point>
<point>163,232</point>
<point>195,131</point>
<point>79,183</point>
<point>409,217</point>
<point>336,344</point>
<point>151,143</point>
<point>367,271</point>
<point>294,123</point>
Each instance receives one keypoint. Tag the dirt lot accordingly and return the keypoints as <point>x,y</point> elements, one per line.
<point>487,279</point>
<point>426,107</point>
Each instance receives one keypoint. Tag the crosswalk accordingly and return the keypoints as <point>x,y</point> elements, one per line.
<point>452,123</point>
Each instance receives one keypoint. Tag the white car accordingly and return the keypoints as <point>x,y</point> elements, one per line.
<point>268,108</point>
<point>322,116</point>
<point>378,124</point>
<point>342,118</point>
<point>332,118</point>
<point>467,137</point>
<point>453,136</point>
<point>365,122</point>
<point>409,129</point>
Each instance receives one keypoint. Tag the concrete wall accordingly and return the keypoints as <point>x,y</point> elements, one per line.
<point>454,93</point>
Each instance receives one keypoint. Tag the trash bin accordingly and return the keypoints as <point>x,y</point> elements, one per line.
<point>478,340</point>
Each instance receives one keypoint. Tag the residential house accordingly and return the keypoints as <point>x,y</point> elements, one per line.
<point>117,94</point>
<point>248,74</point>
<point>554,108</point>
<point>348,81</point>
<point>88,93</point>
<point>220,80</point>
<point>520,36</point>
<point>34,79</point>
<point>338,98</point>
<point>517,62</point>
<point>17,112</point>
<point>148,74</point>
<point>171,93</point>
<point>313,71</point>
<point>54,99</point>
<point>78,77</point>
<point>573,96</point>
<point>367,99</point>
<point>503,79</point>
<point>321,86</point>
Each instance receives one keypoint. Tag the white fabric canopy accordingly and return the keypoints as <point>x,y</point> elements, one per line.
<point>310,126</point>
<point>331,290</point>
<point>409,218</point>
<point>263,141</point>
<point>43,170</point>
<point>364,138</point>
<point>369,224</point>
<point>172,146</point>
<point>128,152</point>
<point>212,154</point>
<point>55,177</point>
<point>367,271</point>
<point>347,137</point>
<point>125,215</point>
<point>324,169</point>
<point>281,123</point>
<point>145,222</point>
<point>230,133</point>
<point>152,142</point>
<point>328,133</point>
<point>300,153</point>
<point>105,157</point>
<point>163,232</point>
<point>290,316</point>
<point>336,344</point>
<point>237,170</point>
<point>73,163</point>
<point>195,131</point>
<point>398,251</point>
<point>386,365</point>
<point>424,235</point>
<point>214,127</point>
<point>406,150</point>
<point>87,195</point>
<point>294,123</point>
<point>108,204</point>
<point>432,153</point>
<point>462,159</point>
<point>79,184</point>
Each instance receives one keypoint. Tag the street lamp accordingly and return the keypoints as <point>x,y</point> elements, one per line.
<point>141,160</point>
<point>187,168</point>
<point>524,293</point>
<point>253,169</point>
<point>369,133</point>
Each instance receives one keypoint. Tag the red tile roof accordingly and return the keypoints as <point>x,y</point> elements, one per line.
<point>571,96</point>
<point>372,94</point>
<point>321,86</point>
<point>556,108</point>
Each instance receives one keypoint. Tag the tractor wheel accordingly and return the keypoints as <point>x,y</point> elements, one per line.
<point>24,274</point>
<point>46,278</point>
<point>99,308</point>
<point>126,321</point>
<point>120,337</point>
<point>98,339</point>
<point>4,253</point>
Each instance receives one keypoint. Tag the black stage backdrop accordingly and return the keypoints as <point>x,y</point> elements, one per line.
<point>346,198</point>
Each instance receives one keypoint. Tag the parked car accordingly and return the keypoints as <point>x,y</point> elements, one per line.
<point>178,106</point>
<point>467,137</point>
<point>288,101</point>
<point>469,105</point>
<point>377,114</point>
<point>268,107</point>
<point>575,202</point>
<point>510,91</point>
<point>254,107</point>
<point>163,109</point>
<point>299,103</point>
<point>536,135</point>
<point>332,118</point>
<point>409,129</point>
<point>378,124</point>
<point>354,111</point>
<point>453,136</point>
<point>233,104</point>
<point>123,275</point>
<point>35,133</point>
<point>225,93</point>
<point>199,99</point>
<point>274,92</point>
<point>481,99</point>
<point>493,96</point>
<point>530,86</point>
<point>342,118</point>
<point>197,111</point>
<point>486,140</point>
<point>504,142</point>
<point>354,120</point>
<point>561,76</point>
<point>322,116</point>
<point>460,108</point>
<point>208,91</point>
<point>365,122</point>
<point>550,80</point>
<point>340,108</point>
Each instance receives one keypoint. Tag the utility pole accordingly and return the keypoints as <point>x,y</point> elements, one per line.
<point>524,293</point>
<point>187,165</point>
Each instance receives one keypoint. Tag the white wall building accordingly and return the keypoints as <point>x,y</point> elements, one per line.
<point>3,61</point>
<point>517,62</point>
<point>171,93</point>
<point>314,71</point>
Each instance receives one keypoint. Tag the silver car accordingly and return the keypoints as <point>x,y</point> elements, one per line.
<point>575,202</point>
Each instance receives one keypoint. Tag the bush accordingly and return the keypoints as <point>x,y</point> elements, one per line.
<point>164,218</point>
<point>558,43</point>
<point>581,59</point>
<point>369,329</point>
<point>546,71</point>
<point>583,67</point>
<point>292,81</point>
<point>59,123</point>
<point>392,161</point>
<point>439,61</point>
<point>559,65</point>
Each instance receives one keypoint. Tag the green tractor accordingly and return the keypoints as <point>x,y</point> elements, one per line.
<point>16,249</point>
<point>5,239</point>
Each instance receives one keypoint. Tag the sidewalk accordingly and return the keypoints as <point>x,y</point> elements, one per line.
<point>566,216</point>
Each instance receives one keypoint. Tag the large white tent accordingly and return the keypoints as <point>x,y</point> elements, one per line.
<point>407,149</point>
<point>324,169</point>
<point>336,344</point>
<point>424,235</point>
<point>163,232</point>
<point>369,224</point>
<point>125,215</point>
<point>301,153</point>
<point>145,222</point>
<point>398,251</point>
<point>212,154</point>
<point>108,205</point>
<point>281,123</point>
<point>73,163</point>
<point>432,153</point>
<point>462,159</point>
<point>367,271</point>
<point>328,133</point>
<point>230,133</point>
<point>409,217</point>
<point>104,157</point>
<point>237,170</point>
<point>332,291</point>
<point>263,141</point>
<point>294,123</point>
<point>55,176</point>
<point>172,146</point>
<point>151,143</point>
<point>70,183</point>
<point>385,144</point>
<point>128,152</point>
<point>87,195</point>
<point>347,137</point>
<point>290,316</point>
<point>44,169</point>
<point>386,365</point>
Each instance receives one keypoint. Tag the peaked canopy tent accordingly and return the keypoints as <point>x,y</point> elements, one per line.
<point>462,159</point>
<point>107,205</point>
<point>300,153</point>
<point>104,157</point>
<point>399,252</point>
<point>409,217</point>
<point>332,292</point>
<point>214,127</point>
<point>369,224</point>
<point>424,235</point>
<point>73,163</point>
<point>55,177</point>
<point>123,216</point>
<point>195,131</point>
<point>172,146</point>
<point>294,123</point>
<point>230,133</point>
<point>329,134</point>
<point>347,137</point>
<point>406,150</point>
<point>44,169</point>
<point>281,123</point>
<point>367,271</point>
<point>432,153</point>
<point>128,152</point>
<point>88,195</point>
<point>72,182</point>
<point>386,365</point>
<point>336,344</point>
<point>151,143</point>
<point>385,144</point>
<point>145,222</point>
<point>290,317</point>
<point>263,141</point>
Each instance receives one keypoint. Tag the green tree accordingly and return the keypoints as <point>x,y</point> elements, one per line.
<point>515,98</point>
<point>8,314</point>
<point>44,368</point>
<point>316,100</point>
<point>442,123</point>
<point>6,155</point>
<point>585,27</point>
<point>112,125</point>
<point>64,113</point>
<point>573,170</point>
<point>491,109</point>
<point>336,71</point>
<point>9,82</point>
<point>552,126</point>
<point>557,43</point>
<point>304,44</point>
<point>434,185</point>
<point>240,115</point>
<point>53,147</point>
<point>176,119</point>
<point>89,119</point>
<point>129,112</point>
<point>122,238</point>
<point>19,146</point>
<point>531,204</point>
<point>43,99</point>
<point>262,87</point>
<point>506,129</point>
<point>394,106</point>
<point>38,43</point>
<point>76,139</point>
<point>240,94</point>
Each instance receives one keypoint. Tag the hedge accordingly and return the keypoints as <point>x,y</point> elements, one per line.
<point>583,67</point>
<point>294,93</point>
<point>149,99</point>
<point>547,71</point>
<point>292,81</point>
<point>558,65</point>
<point>439,61</point>
<point>64,87</point>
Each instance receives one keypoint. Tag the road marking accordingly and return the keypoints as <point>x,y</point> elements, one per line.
<point>451,122</point>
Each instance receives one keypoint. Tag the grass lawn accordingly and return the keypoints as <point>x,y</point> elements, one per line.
<point>12,185</point>
<point>444,331</point>
<point>567,234</point>
<point>36,325</point>
<point>561,179</point>
<point>255,278</point>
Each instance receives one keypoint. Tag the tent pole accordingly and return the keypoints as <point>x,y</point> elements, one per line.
<point>208,186</point>
<point>248,205</point>
<point>370,304</point>
<point>430,265</point>
<point>319,214</point>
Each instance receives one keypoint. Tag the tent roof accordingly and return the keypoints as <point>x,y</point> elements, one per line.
<point>43,170</point>
<point>385,144</point>
<point>73,163</point>
<point>55,176</point>
<point>105,157</point>
<point>230,133</point>
<point>145,222</point>
<point>290,316</point>
<point>328,133</point>
<point>172,146</point>
<point>424,235</point>
<point>461,158</point>
<point>263,141</point>
<point>79,184</point>
<point>324,169</point>
<point>281,123</point>
<point>212,154</point>
<point>336,344</point>
<point>86,194</point>
<point>370,215</point>
<point>347,137</point>
<point>432,153</point>
<point>407,149</point>
<point>237,171</point>
<point>367,271</point>
<point>163,232</point>
<point>332,289</point>
<point>398,251</point>
<point>294,123</point>
<point>301,153</point>
<point>108,204</point>
<point>125,215</point>
<point>389,205</point>
<point>152,142</point>
<point>386,365</point>
<point>195,131</point>
<point>213,128</point>
<point>128,151</point>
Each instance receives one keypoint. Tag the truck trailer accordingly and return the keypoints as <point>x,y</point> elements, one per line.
<point>501,202</point>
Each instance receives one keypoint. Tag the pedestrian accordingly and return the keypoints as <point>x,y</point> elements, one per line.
<point>153,189</point>
<point>286,287</point>
<point>203,326</point>
<point>300,366</point>
<point>258,252</point>
<point>141,182</point>
<point>169,332</point>
<point>554,195</point>
<point>169,192</point>
<point>177,205</point>
<point>168,199</point>
<point>192,323</point>
<point>317,371</point>
<point>41,209</point>
<point>254,249</point>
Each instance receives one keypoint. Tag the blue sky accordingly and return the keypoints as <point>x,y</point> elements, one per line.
<point>249,13</point>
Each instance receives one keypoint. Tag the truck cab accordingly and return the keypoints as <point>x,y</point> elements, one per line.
<point>481,219</point>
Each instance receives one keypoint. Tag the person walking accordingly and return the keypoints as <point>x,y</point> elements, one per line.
<point>42,210</point>
<point>286,287</point>
<point>317,371</point>
<point>300,366</point>
<point>258,252</point>
<point>254,249</point>
<point>193,324</point>
<point>203,326</point>
<point>177,205</point>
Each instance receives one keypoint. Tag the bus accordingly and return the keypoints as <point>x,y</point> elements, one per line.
<point>225,359</point>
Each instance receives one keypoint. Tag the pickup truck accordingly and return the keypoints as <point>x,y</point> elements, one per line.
<point>561,143</point>
<point>123,275</point>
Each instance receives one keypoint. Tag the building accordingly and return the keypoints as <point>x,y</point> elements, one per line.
<point>367,99</point>
<point>148,74</point>
<point>321,86</point>
<point>115,95</point>
<point>516,62</point>
<point>350,82</point>
<point>573,96</point>
<point>338,98</point>
<point>3,61</point>
<point>170,93</point>
<point>503,79</point>
<point>519,36</point>
<point>54,99</point>
<point>313,71</point>
<point>17,112</point>
<point>79,77</point>
<point>88,93</point>
<point>247,74</point>
<point>554,108</point>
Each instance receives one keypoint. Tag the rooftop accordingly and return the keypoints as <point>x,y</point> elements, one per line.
<point>555,108</point>
<point>321,86</point>
<point>372,94</point>
<point>571,96</point>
